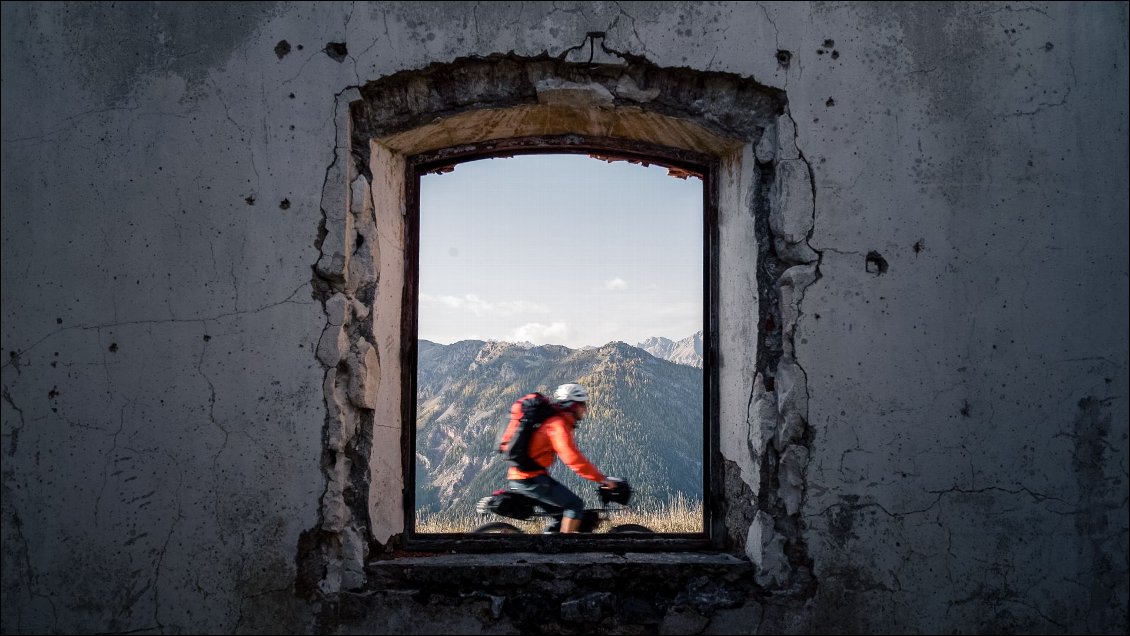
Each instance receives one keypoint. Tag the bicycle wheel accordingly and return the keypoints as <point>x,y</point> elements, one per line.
<point>625,528</point>
<point>497,527</point>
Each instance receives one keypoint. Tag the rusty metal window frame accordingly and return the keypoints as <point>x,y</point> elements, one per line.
<point>692,163</point>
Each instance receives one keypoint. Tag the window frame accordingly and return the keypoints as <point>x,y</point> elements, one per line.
<point>707,166</point>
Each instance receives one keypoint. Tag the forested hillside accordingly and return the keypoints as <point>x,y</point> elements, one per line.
<point>644,422</point>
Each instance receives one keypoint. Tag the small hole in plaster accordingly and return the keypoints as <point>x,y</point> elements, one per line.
<point>337,51</point>
<point>282,49</point>
<point>876,264</point>
<point>783,58</point>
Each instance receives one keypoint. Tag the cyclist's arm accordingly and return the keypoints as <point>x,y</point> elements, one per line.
<point>571,456</point>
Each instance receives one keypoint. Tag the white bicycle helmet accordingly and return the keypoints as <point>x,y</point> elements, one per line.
<point>568,394</point>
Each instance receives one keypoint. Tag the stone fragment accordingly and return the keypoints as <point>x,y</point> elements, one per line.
<point>791,477</point>
<point>792,402</point>
<point>360,309</point>
<point>337,309</point>
<point>706,595</point>
<point>332,345</point>
<point>791,202</point>
<point>792,285</point>
<point>589,608</point>
<point>335,513</point>
<point>353,553</point>
<point>766,149</point>
<point>795,253</point>
<point>331,265</point>
<point>766,549</point>
<point>786,139</point>
<point>331,582</point>
<point>364,376</point>
<point>558,92</point>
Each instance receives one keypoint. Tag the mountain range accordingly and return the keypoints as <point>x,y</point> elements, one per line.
<point>644,422</point>
<point>685,351</point>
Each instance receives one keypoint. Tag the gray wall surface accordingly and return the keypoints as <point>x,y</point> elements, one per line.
<point>965,344</point>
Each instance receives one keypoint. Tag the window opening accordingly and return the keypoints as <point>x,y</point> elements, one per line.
<point>539,269</point>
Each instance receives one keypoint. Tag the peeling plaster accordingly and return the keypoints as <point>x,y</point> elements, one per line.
<point>331,557</point>
<point>492,101</point>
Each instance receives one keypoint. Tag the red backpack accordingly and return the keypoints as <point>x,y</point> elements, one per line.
<point>531,411</point>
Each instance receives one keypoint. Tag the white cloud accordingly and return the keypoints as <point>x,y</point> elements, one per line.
<point>479,307</point>
<point>539,333</point>
<point>614,284</point>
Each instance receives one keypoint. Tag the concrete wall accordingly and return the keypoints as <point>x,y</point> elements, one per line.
<point>964,346</point>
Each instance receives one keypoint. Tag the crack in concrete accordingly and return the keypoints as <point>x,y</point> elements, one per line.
<point>109,460</point>
<point>367,49</point>
<point>14,435</point>
<point>941,494</point>
<point>475,21</point>
<point>243,133</point>
<point>216,499</point>
<point>127,323</point>
<point>1010,9</point>
<point>96,111</point>
<point>577,11</point>
<point>244,597</point>
<point>32,578</point>
<point>352,57</point>
<point>776,37</point>
<point>1041,107</point>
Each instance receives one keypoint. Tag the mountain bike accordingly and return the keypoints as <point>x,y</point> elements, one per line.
<point>512,505</point>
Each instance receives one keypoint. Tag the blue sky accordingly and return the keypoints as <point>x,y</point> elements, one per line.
<point>559,249</point>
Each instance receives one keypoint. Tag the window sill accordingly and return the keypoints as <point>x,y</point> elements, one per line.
<point>517,569</point>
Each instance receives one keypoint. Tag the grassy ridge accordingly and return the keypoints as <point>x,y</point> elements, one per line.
<point>680,515</point>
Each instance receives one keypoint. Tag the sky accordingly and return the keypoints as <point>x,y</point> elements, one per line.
<point>559,249</point>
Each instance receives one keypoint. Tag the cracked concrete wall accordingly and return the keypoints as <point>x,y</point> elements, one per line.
<point>953,311</point>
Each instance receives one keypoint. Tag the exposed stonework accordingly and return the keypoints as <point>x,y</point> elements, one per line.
<point>480,100</point>
<point>332,556</point>
<point>530,593</point>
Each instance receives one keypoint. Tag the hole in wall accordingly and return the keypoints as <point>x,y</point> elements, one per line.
<point>874,263</point>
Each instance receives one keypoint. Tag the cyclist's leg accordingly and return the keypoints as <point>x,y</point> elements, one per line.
<point>552,494</point>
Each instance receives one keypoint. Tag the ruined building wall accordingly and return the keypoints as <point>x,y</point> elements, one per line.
<point>930,202</point>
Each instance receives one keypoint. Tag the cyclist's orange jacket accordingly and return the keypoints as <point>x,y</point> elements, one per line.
<point>555,436</point>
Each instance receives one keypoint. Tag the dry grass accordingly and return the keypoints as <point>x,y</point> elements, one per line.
<point>681,515</point>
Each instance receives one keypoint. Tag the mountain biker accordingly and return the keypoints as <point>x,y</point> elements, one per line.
<point>555,437</point>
